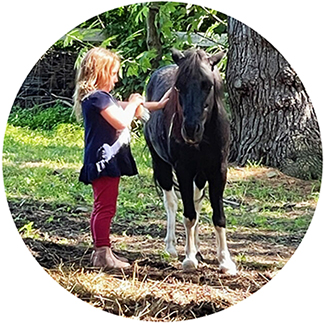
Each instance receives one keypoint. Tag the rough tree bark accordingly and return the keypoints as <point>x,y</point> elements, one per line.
<point>272,118</point>
<point>153,39</point>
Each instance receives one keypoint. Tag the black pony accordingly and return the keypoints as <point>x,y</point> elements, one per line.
<point>190,138</point>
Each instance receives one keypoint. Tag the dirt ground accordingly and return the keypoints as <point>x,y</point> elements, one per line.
<point>154,288</point>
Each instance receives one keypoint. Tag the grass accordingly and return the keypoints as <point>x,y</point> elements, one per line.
<point>51,209</point>
<point>44,166</point>
<point>279,203</point>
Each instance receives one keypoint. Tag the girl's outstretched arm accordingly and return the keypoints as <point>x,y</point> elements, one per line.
<point>121,117</point>
<point>153,106</point>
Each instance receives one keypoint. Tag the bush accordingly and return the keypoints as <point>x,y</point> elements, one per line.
<point>41,118</point>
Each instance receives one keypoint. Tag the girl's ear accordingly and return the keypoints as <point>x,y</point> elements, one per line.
<point>177,56</point>
<point>215,59</point>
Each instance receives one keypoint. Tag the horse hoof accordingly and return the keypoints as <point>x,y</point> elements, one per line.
<point>228,268</point>
<point>172,252</point>
<point>189,265</point>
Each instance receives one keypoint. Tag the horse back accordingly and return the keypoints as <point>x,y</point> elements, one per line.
<point>155,131</point>
<point>160,81</point>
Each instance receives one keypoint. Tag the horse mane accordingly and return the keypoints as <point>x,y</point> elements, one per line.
<point>190,64</point>
<point>173,115</point>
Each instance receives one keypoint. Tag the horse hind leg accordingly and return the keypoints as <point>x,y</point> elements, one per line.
<point>198,201</point>
<point>171,204</point>
<point>163,176</point>
<point>185,178</point>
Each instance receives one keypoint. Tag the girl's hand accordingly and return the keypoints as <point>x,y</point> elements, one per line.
<point>153,106</point>
<point>139,112</point>
<point>162,103</point>
<point>136,99</point>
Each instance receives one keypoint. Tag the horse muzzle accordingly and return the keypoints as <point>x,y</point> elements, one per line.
<point>192,135</point>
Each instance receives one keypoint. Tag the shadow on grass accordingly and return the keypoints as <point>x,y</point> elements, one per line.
<point>59,239</point>
<point>62,235</point>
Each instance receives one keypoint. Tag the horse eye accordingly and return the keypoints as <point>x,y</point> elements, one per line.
<point>207,85</point>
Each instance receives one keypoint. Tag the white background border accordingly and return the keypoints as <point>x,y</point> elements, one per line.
<point>28,294</point>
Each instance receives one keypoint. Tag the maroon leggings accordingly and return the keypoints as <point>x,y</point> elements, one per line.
<point>105,200</point>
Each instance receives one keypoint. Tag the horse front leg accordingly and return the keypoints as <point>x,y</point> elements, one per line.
<point>216,186</point>
<point>226,264</point>
<point>189,220</point>
<point>190,263</point>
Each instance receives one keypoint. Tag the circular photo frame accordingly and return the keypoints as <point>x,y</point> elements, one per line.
<point>235,120</point>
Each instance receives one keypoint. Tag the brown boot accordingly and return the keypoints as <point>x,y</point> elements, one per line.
<point>104,257</point>
<point>121,258</point>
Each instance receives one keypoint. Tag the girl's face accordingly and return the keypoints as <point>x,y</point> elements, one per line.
<point>113,78</point>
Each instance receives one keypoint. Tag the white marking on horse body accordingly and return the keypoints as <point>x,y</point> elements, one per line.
<point>171,204</point>
<point>226,264</point>
<point>192,231</point>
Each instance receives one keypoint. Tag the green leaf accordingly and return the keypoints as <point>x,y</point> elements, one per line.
<point>132,69</point>
<point>73,35</point>
<point>108,41</point>
<point>80,56</point>
<point>141,16</point>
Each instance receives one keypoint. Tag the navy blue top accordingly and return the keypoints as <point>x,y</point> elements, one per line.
<point>97,133</point>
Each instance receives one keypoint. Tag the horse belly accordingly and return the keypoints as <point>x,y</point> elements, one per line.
<point>156,136</point>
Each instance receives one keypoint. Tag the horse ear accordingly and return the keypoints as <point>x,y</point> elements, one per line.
<point>215,59</point>
<point>177,56</point>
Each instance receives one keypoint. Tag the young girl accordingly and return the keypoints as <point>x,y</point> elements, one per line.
<point>107,154</point>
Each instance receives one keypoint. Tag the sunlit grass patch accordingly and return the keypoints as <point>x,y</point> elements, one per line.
<point>44,165</point>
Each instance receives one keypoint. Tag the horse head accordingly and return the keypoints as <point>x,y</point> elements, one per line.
<point>195,83</point>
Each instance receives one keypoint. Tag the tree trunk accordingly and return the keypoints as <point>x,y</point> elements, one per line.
<point>272,119</point>
<point>153,39</point>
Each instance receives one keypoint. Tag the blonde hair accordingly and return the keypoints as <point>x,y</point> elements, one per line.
<point>94,73</point>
